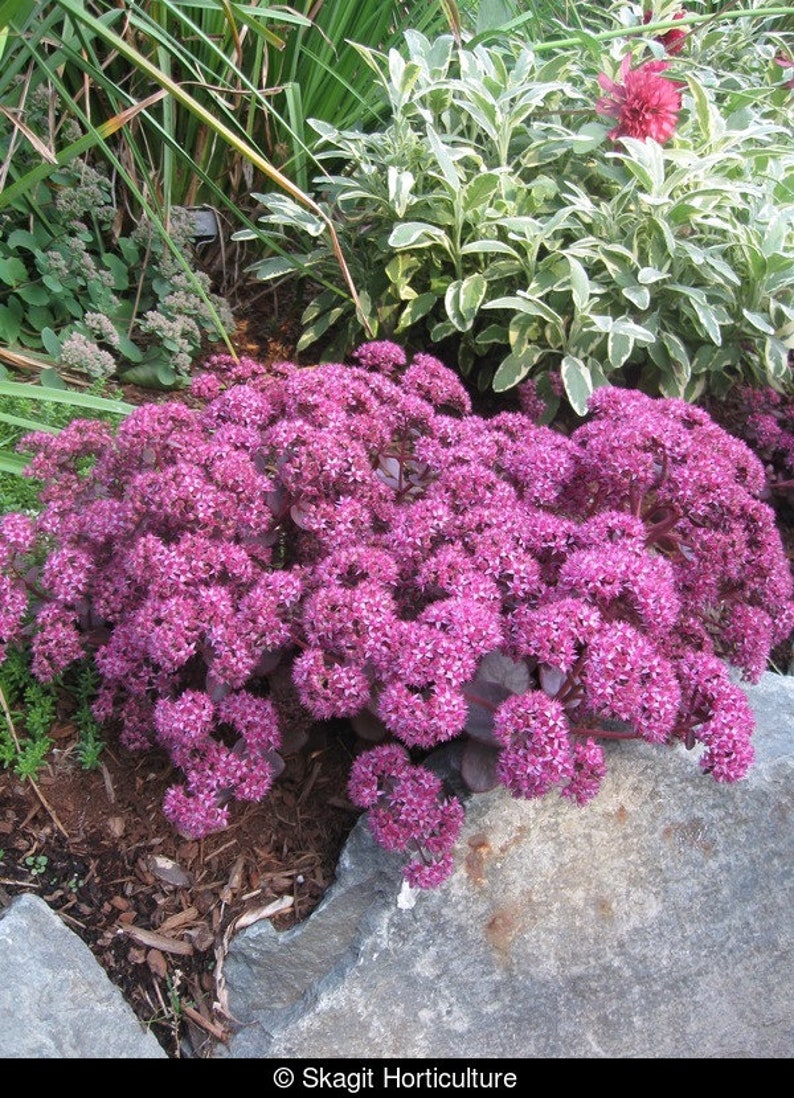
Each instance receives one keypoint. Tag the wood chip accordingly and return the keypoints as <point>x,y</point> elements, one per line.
<point>182,918</point>
<point>157,963</point>
<point>276,907</point>
<point>201,937</point>
<point>215,1031</point>
<point>158,941</point>
<point>164,869</point>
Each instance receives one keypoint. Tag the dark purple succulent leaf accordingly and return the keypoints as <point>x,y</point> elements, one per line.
<point>369,726</point>
<point>484,699</point>
<point>498,668</point>
<point>215,687</point>
<point>268,661</point>
<point>277,764</point>
<point>551,679</point>
<point>478,766</point>
<point>293,740</point>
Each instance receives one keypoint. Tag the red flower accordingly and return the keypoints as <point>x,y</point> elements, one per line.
<point>785,63</point>
<point>644,103</point>
<point>673,40</point>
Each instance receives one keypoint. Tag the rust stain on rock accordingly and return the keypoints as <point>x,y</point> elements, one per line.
<point>501,928</point>
<point>479,849</point>
<point>605,909</point>
<point>516,839</point>
<point>690,833</point>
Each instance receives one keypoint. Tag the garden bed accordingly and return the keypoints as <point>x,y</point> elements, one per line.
<point>158,911</point>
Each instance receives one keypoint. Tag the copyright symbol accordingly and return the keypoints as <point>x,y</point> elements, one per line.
<point>283,1077</point>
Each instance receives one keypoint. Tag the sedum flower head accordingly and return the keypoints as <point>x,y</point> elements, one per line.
<point>408,811</point>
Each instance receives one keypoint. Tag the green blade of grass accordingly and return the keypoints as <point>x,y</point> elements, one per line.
<point>83,401</point>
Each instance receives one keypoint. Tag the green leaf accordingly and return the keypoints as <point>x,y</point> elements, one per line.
<point>285,211</point>
<point>443,159</point>
<point>415,309</point>
<point>646,276</point>
<point>36,294</point>
<point>637,295</point>
<point>21,238</point>
<point>759,321</point>
<point>708,319</point>
<point>51,379</point>
<point>776,359</point>
<point>646,162</point>
<point>492,333</point>
<point>12,463</point>
<point>463,299</point>
<point>129,251</point>
<point>84,401</point>
<point>403,74</point>
<point>52,344</point>
<point>418,234</point>
<point>12,271</point>
<point>711,360</point>
<point>485,247</point>
<point>578,383</point>
<point>702,107</point>
<point>400,187</point>
<point>131,351</point>
<point>679,359</point>
<point>443,330</point>
<point>619,347</point>
<point>525,304</point>
<point>479,190</point>
<point>399,271</point>
<point>276,267</point>
<point>321,325</point>
<point>580,283</point>
<point>53,284</point>
<point>513,369</point>
<point>152,375</point>
<point>10,325</point>
<point>118,269</point>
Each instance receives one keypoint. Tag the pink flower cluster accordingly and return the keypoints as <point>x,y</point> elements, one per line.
<point>356,528</point>
<point>408,811</point>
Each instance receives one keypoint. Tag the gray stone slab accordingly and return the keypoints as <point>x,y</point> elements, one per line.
<point>56,1001</point>
<point>654,922</point>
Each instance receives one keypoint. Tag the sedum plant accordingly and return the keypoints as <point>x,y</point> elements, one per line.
<point>617,212</point>
<point>351,542</point>
<point>101,302</point>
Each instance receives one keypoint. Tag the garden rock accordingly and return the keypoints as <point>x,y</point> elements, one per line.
<point>56,1001</point>
<point>654,922</point>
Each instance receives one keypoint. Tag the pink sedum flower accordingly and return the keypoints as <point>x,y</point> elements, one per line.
<point>408,812</point>
<point>644,103</point>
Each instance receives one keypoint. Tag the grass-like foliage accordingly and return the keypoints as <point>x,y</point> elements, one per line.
<point>353,541</point>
